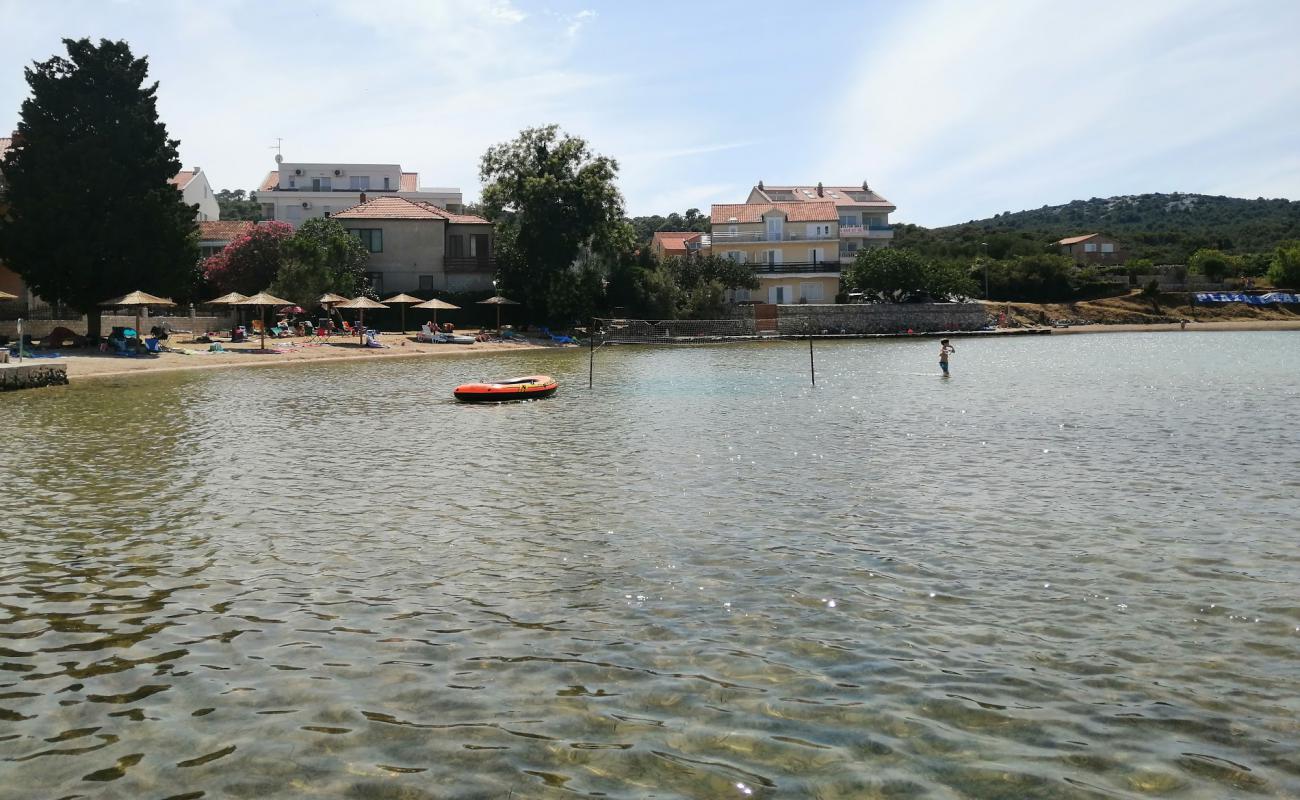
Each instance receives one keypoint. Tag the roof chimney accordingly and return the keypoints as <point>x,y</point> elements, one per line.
<point>865,188</point>
<point>363,197</point>
<point>819,189</point>
<point>760,184</point>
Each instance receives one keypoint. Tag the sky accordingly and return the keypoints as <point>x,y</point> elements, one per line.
<point>952,110</point>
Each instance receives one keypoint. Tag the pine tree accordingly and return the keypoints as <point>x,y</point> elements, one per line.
<point>91,213</point>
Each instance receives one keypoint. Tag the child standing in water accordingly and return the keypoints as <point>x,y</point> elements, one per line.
<point>944,350</point>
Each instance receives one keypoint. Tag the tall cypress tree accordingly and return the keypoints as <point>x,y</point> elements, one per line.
<point>91,212</point>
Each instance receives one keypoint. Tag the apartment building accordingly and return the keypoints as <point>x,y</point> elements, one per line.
<point>419,247</point>
<point>862,213</point>
<point>794,248</point>
<point>679,244</point>
<point>298,191</point>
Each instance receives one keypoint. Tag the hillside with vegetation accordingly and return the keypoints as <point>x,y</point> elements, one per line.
<point>1163,228</point>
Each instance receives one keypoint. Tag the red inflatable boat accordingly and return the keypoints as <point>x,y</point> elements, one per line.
<point>527,388</point>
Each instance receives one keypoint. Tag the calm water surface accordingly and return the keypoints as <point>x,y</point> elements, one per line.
<point>1071,571</point>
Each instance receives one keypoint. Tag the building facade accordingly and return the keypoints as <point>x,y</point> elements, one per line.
<point>196,190</point>
<point>1091,248</point>
<point>294,192</point>
<point>862,213</point>
<point>793,249</point>
<point>416,246</point>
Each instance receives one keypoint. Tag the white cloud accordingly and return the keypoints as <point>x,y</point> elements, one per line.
<point>973,109</point>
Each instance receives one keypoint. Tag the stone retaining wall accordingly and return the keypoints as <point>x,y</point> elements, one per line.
<point>30,376</point>
<point>881,318</point>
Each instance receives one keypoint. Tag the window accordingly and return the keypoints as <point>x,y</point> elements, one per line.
<point>386,186</point>
<point>736,256</point>
<point>426,283</point>
<point>771,256</point>
<point>456,246</point>
<point>372,238</point>
<point>359,182</point>
<point>1107,247</point>
<point>849,222</point>
<point>293,184</point>
<point>810,292</point>
<point>478,246</point>
<point>1090,247</point>
<point>473,248</point>
<point>322,185</point>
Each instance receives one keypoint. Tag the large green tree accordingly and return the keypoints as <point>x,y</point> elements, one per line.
<point>322,257</point>
<point>1285,270</point>
<point>1213,264</point>
<point>238,204</point>
<point>895,275</point>
<point>91,213</point>
<point>552,200</point>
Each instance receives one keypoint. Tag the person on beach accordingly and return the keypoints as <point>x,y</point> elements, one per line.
<point>944,350</point>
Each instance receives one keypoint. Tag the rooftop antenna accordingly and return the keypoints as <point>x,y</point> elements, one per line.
<point>276,147</point>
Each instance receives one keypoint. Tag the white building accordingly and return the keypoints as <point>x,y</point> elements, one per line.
<point>196,190</point>
<point>300,191</point>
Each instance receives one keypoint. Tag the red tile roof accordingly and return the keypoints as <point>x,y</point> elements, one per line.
<point>823,211</point>
<point>675,241</point>
<point>391,207</point>
<point>271,181</point>
<point>224,230</point>
<point>183,178</point>
<point>1077,239</point>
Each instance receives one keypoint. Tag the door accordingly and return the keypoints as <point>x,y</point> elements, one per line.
<point>817,255</point>
<point>774,229</point>
<point>779,295</point>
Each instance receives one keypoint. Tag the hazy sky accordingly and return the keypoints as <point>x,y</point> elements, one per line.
<point>953,110</point>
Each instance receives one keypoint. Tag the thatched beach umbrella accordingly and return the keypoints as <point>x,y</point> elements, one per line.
<point>361,304</point>
<point>435,304</point>
<point>404,300</point>
<point>497,301</point>
<point>263,301</point>
<point>329,300</point>
<point>229,300</point>
<point>139,301</point>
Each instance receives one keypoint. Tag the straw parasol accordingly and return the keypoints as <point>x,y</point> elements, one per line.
<point>435,304</point>
<point>229,300</point>
<point>263,301</point>
<point>138,300</point>
<point>404,300</point>
<point>7,296</point>
<point>361,304</point>
<point>329,300</point>
<point>497,301</point>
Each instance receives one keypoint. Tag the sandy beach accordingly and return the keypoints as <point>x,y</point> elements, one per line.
<point>188,355</point>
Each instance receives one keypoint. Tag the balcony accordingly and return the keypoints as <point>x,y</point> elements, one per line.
<point>868,231</point>
<point>469,263</point>
<point>742,237</point>
<point>795,267</point>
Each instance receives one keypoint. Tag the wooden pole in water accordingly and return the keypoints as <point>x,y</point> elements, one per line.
<point>591,354</point>
<point>812,366</point>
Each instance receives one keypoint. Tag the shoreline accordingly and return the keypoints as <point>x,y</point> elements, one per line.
<point>96,366</point>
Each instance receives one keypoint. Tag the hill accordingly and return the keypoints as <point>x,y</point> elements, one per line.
<point>1166,228</point>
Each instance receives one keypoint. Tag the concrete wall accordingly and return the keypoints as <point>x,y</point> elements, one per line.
<point>31,374</point>
<point>41,327</point>
<point>880,317</point>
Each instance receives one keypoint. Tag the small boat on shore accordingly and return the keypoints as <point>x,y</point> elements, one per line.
<point>529,387</point>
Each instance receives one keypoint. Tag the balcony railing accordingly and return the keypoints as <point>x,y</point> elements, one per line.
<point>469,263</point>
<point>870,231</point>
<point>795,267</point>
<point>726,237</point>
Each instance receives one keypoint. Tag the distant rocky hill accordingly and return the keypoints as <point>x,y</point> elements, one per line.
<point>1163,227</point>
